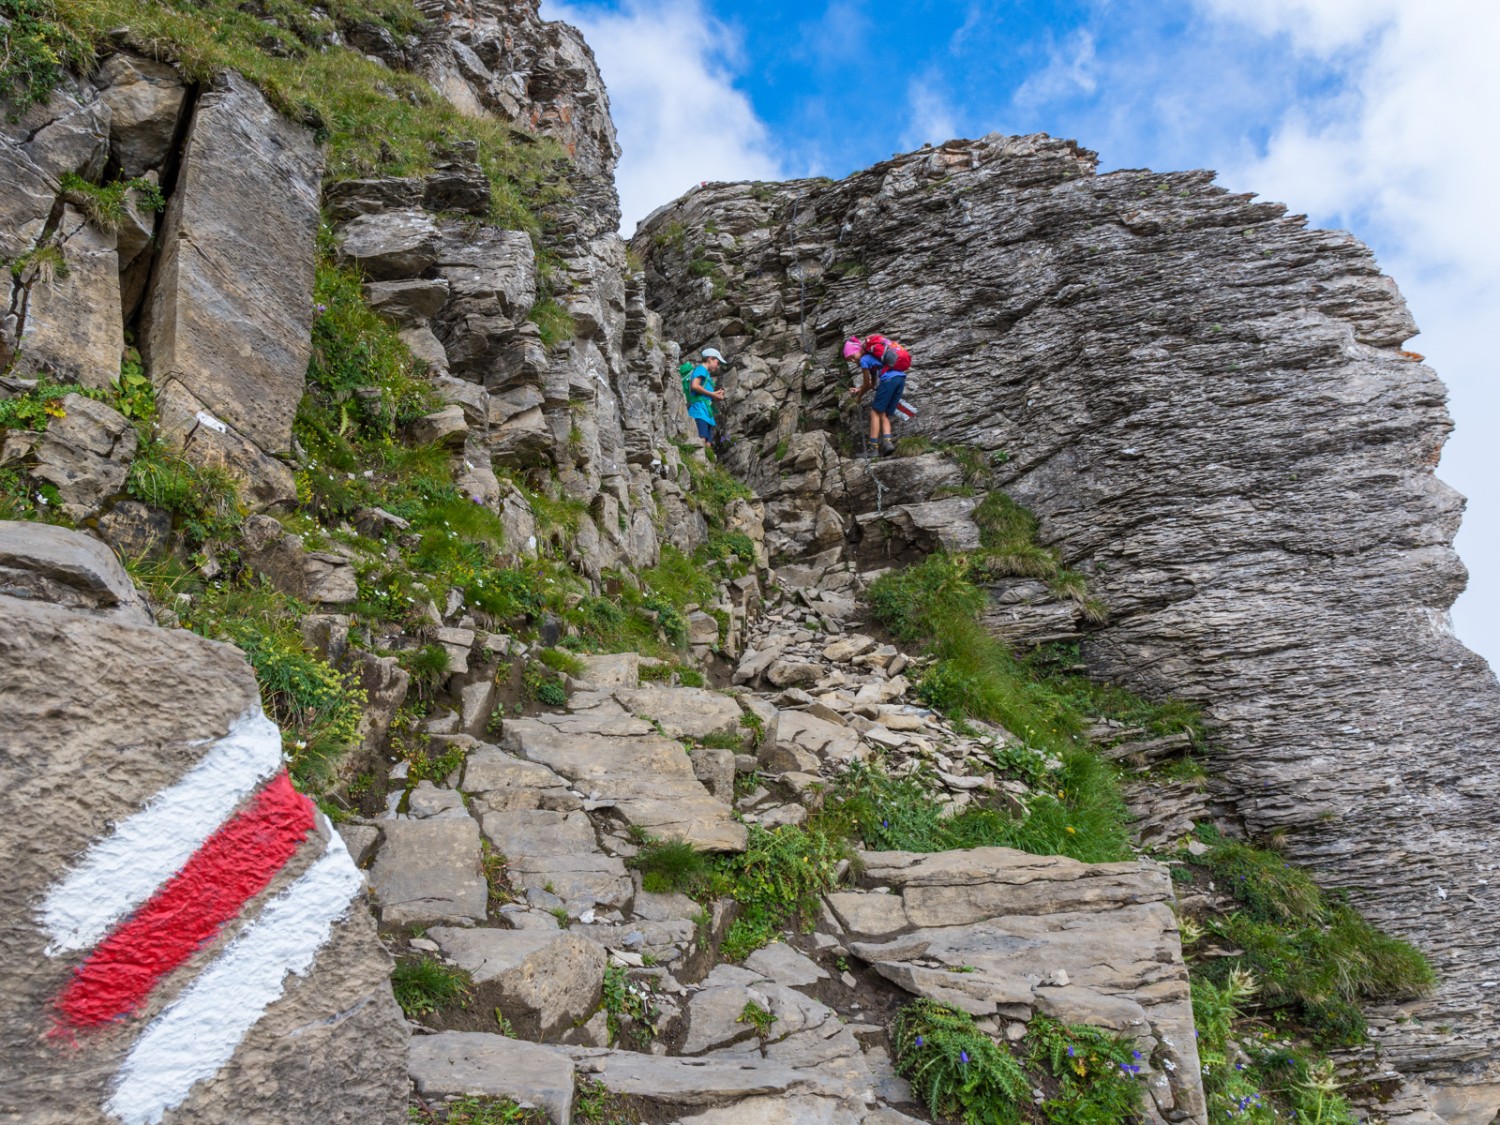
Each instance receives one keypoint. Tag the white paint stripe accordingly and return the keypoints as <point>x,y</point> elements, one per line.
<point>198,1032</point>
<point>146,849</point>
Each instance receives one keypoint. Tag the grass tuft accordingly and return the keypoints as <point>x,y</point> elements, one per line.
<point>423,985</point>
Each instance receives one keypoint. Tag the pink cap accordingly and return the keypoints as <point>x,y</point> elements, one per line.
<point>853,347</point>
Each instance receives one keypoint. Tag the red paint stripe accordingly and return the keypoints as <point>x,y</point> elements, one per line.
<point>234,865</point>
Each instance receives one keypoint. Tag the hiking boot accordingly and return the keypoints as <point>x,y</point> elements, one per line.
<point>869,450</point>
<point>887,446</point>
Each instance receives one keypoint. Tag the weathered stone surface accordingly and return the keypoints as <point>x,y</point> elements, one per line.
<point>873,914</point>
<point>40,562</point>
<point>311,1034</point>
<point>72,327</point>
<point>409,302</point>
<point>784,965</point>
<point>650,780</point>
<point>620,669</point>
<point>145,100</point>
<point>959,887</point>
<point>429,871</point>
<point>557,852</point>
<point>389,245</point>
<point>206,441</point>
<point>135,529</point>
<point>474,1064</point>
<point>1084,943</point>
<point>67,133</point>
<point>715,769</point>
<point>826,742</point>
<point>1158,351</point>
<point>230,313</point>
<point>86,454</point>
<point>314,576</point>
<point>674,1081</point>
<point>501,781</point>
<point>684,712</point>
<point>551,978</point>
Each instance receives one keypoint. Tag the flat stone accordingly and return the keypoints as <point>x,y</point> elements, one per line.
<point>502,781</point>
<point>553,978</point>
<point>784,965</point>
<point>620,669</point>
<point>46,563</point>
<point>408,302</point>
<point>649,779</point>
<point>792,673</point>
<point>429,871</point>
<point>864,913</point>
<point>389,245</point>
<point>427,801</point>
<point>477,1064</point>
<point>685,712</point>
<point>671,1081</point>
<point>828,742</point>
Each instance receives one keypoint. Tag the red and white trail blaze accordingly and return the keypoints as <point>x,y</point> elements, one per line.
<point>163,884</point>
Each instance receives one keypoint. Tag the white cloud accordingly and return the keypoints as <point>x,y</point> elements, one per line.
<point>668,67</point>
<point>1069,71</point>
<point>1400,149</point>
<point>932,117</point>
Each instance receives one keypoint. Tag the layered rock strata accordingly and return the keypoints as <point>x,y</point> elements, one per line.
<point>1208,407</point>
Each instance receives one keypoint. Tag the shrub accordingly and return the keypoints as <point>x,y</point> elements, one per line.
<point>956,1069</point>
<point>777,880</point>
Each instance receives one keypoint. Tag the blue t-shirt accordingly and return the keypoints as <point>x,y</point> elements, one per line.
<point>870,363</point>
<point>700,406</point>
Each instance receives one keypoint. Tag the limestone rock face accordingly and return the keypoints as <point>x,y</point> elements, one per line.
<point>230,313</point>
<point>133,757</point>
<point>1206,405</point>
<point>145,100</point>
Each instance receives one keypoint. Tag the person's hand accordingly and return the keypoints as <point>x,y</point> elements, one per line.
<point>718,396</point>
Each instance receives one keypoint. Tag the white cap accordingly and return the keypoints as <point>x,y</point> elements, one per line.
<point>713,353</point>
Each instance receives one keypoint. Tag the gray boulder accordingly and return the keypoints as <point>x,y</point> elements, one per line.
<point>86,454</point>
<point>145,99</point>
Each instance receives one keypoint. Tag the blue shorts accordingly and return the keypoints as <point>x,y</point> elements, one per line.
<point>705,429</point>
<point>888,394</point>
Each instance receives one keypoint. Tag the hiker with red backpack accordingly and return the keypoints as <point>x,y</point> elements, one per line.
<point>698,386</point>
<point>883,364</point>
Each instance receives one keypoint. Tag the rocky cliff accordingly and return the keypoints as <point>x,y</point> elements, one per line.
<point>1208,407</point>
<point>318,316</point>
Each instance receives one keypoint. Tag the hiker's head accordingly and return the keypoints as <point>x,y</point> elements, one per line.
<point>853,347</point>
<point>713,360</point>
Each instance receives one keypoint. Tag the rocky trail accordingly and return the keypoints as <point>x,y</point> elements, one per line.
<point>404,718</point>
<point>567,797</point>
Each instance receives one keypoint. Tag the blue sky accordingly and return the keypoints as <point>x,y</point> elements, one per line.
<point>1376,116</point>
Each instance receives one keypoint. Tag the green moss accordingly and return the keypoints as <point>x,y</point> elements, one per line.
<point>33,409</point>
<point>668,866</point>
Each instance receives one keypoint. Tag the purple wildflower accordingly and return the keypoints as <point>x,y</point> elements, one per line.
<point>963,1056</point>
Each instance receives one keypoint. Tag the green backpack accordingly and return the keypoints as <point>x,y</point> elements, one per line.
<point>685,372</point>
